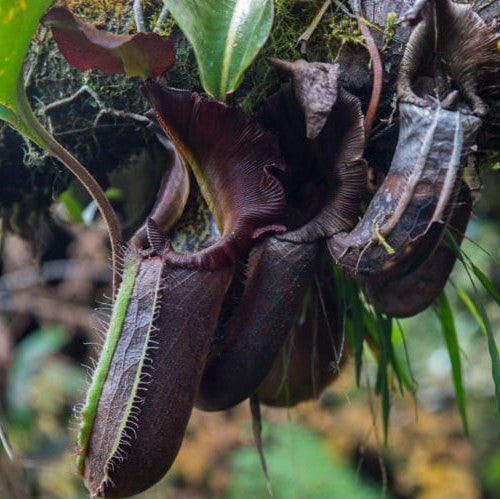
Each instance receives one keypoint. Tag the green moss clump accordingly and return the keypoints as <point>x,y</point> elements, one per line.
<point>112,15</point>
<point>291,19</point>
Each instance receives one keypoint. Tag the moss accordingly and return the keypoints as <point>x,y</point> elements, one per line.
<point>185,73</point>
<point>112,15</point>
<point>333,32</point>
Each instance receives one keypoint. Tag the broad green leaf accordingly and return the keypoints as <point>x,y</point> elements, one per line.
<point>226,35</point>
<point>18,22</point>
<point>447,321</point>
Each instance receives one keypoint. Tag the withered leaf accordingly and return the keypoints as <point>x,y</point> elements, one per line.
<point>316,86</point>
<point>411,202</point>
<point>410,294</point>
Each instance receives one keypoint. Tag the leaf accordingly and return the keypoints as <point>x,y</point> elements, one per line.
<point>492,346</point>
<point>316,87</point>
<point>147,55</point>
<point>487,285</point>
<point>73,207</point>
<point>493,350</point>
<point>445,316</point>
<point>472,308</point>
<point>384,331</point>
<point>226,35</point>
<point>466,261</point>
<point>482,319</point>
<point>18,22</point>
<point>407,378</point>
<point>353,302</point>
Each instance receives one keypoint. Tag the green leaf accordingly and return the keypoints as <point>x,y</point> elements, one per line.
<point>358,329</point>
<point>466,261</point>
<point>492,346</point>
<point>493,350</point>
<point>348,292</point>
<point>485,282</point>
<point>29,357</point>
<point>384,331</point>
<point>463,295</point>
<point>226,35</point>
<point>18,22</point>
<point>114,194</point>
<point>408,380</point>
<point>446,319</point>
<point>404,378</point>
<point>482,319</point>
<point>73,207</point>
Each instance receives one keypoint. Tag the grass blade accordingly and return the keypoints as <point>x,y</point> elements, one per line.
<point>466,261</point>
<point>358,329</point>
<point>471,307</point>
<point>446,319</point>
<point>492,346</point>
<point>384,330</point>
<point>479,313</point>
<point>412,382</point>
<point>485,282</point>
<point>348,292</point>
